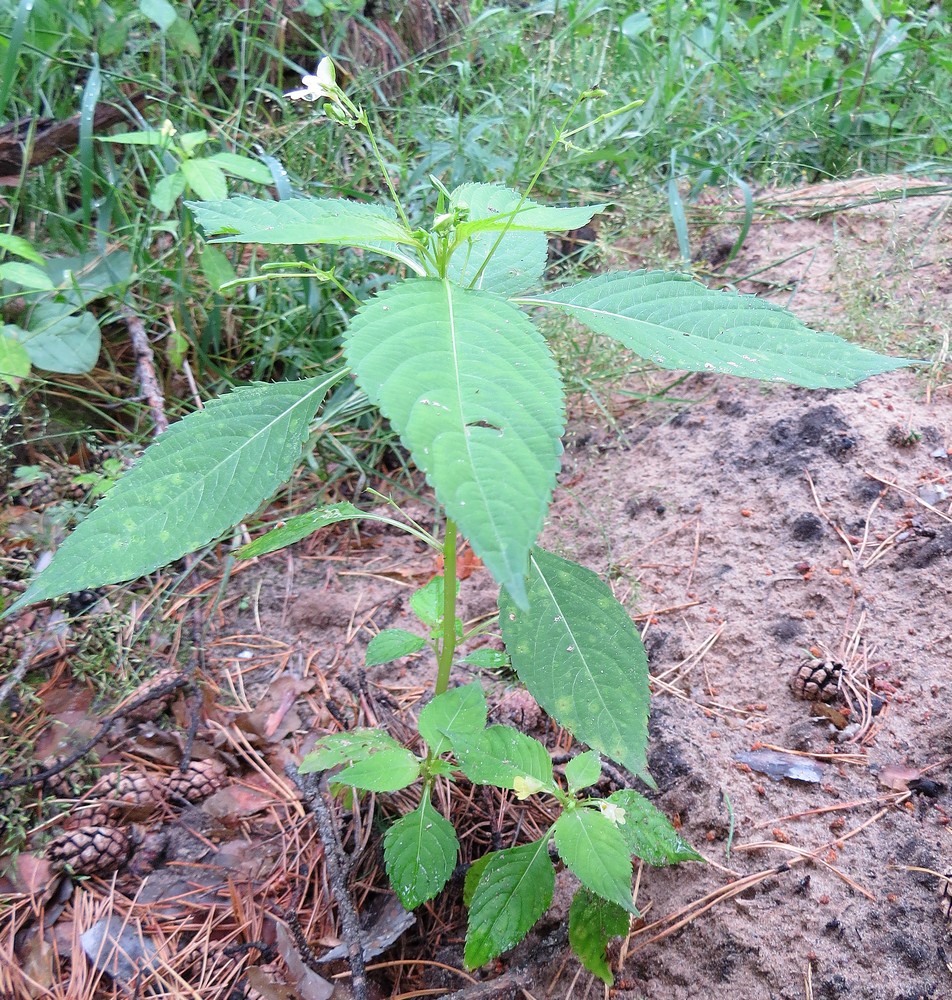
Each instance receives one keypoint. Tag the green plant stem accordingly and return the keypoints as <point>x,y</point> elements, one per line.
<point>378,156</point>
<point>448,643</point>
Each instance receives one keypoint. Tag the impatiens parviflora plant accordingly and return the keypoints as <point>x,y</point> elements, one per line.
<point>506,891</point>
<point>450,355</point>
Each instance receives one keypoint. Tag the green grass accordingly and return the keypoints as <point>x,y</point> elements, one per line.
<point>732,93</point>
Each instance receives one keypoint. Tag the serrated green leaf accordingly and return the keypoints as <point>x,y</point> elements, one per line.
<point>648,832</point>
<point>678,323</point>
<point>14,360</point>
<point>205,178</point>
<point>346,748</point>
<point>21,247</point>
<point>459,710</point>
<point>202,476</point>
<point>581,658</point>
<point>500,756</point>
<point>391,644</point>
<point>26,275</point>
<point>583,770</point>
<point>593,922</point>
<point>59,339</point>
<point>514,890</point>
<point>420,852</point>
<point>167,191</point>
<point>487,659</point>
<point>299,220</point>
<point>242,166</point>
<point>296,528</point>
<point>493,207</point>
<point>386,771</point>
<point>590,844</point>
<point>472,389</point>
<point>517,263</point>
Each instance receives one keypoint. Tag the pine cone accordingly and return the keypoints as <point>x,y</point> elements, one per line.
<point>90,850</point>
<point>59,784</point>
<point>164,685</point>
<point>12,642</point>
<point>816,680</point>
<point>128,790</point>
<point>85,814</point>
<point>201,779</point>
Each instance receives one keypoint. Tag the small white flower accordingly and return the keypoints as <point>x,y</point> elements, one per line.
<point>311,90</point>
<point>323,84</point>
<point>612,812</point>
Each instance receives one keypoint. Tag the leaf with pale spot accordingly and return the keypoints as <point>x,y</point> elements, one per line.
<point>581,657</point>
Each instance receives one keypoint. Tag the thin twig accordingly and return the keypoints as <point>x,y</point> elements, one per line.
<point>145,369</point>
<point>310,787</point>
<point>172,684</point>
<point>25,663</point>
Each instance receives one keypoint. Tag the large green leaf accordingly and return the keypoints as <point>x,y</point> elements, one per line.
<point>471,388</point>
<point>60,339</point>
<point>517,263</point>
<point>299,220</point>
<point>349,747</point>
<point>593,922</point>
<point>387,771</point>
<point>205,178</point>
<point>514,890</point>
<point>420,852</point>
<point>90,276</point>
<point>242,166</point>
<point>579,654</point>
<point>590,844</point>
<point>203,475</point>
<point>676,322</point>
<point>14,360</point>
<point>391,644</point>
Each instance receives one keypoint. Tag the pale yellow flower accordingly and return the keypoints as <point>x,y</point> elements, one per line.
<point>524,787</point>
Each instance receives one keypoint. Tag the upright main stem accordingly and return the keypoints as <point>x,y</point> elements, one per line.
<point>444,660</point>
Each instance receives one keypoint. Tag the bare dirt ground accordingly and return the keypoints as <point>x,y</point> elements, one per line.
<point>749,529</point>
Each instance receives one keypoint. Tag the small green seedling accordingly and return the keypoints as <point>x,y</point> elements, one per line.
<point>51,328</point>
<point>450,355</point>
<point>186,170</point>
